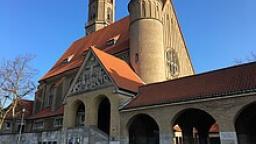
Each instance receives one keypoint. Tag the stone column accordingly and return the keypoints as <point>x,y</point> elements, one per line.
<point>165,130</point>
<point>224,117</point>
<point>69,116</point>
<point>166,136</point>
<point>228,137</point>
<point>91,113</point>
<point>227,132</point>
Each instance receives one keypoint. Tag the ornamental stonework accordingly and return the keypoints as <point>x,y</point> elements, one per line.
<point>92,77</point>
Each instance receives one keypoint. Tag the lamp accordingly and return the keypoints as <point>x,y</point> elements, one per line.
<point>21,124</point>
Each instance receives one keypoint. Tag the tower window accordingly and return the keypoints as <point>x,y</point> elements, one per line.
<point>109,17</point>
<point>109,14</point>
<point>157,11</point>
<point>143,9</point>
<point>172,62</point>
<point>136,58</point>
<point>93,16</point>
<point>92,13</point>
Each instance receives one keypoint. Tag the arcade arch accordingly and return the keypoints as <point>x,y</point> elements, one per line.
<point>195,126</point>
<point>245,124</point>
<point>143,129</point>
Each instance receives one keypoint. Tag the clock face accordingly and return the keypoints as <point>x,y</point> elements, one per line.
<point>172,63</point>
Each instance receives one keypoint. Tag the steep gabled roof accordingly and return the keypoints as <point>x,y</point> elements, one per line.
<point>228,81</point>
<point>121,73</point>
<point>99,39</point>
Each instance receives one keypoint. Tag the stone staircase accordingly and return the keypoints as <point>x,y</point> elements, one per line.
<point>81,135</point>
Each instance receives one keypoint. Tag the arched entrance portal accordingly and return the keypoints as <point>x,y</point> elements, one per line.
<point>194,126</point>
<point>104,116</point>
<point>143,130</point>
<point>80,114</point>
<point>245,125</point>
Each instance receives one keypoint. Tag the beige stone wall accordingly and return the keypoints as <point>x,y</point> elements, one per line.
<point>60,84</point>
<point>154,29</point>
<point>173,39</point>
<point>223,110</point>
<point>150,63</point>
<point>146,40</point>
<point>91,101</point>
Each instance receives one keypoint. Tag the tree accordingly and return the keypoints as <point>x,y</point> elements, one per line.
<point>253,57</point>
<point>16,82</point>
<point>250,58</point>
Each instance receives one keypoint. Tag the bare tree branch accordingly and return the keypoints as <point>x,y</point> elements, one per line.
<point>250,58</point>
<point>16,82</point>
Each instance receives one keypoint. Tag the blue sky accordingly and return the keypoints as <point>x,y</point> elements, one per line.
<point>216,31</point>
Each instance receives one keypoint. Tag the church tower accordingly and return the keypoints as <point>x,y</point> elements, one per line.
<point>101,13</point>
<point>157,47</point>
<point>146,39</point>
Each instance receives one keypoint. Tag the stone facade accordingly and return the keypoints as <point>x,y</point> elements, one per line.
<point>95,106</point>
<point>224,110</point>
<point>91,101</point>
<point>174,40</point>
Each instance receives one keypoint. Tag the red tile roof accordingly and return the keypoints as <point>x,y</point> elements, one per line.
<point>47,112</point>
<point>98,39</point>
<point>212,84</point>
<point>23,103</point>
<point>28,105</point>
<point>122,74</point>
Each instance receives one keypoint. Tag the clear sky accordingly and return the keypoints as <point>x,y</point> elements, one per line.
<point>216,31</point>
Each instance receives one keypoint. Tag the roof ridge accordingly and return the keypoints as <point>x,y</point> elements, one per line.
<point>205,73</point>
<point>80,46</point>
<point>121,72</point>
<point>96,49</point>
<point>226,81</point>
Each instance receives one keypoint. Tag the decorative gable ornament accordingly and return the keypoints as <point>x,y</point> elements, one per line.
<point>91,76</point>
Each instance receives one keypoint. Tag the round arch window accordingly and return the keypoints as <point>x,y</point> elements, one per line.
<point>172,62</point>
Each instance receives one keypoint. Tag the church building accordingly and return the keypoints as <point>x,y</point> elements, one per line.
<point>132,81</point>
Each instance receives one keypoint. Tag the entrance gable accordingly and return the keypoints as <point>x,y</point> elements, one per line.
<point>91,76</point>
